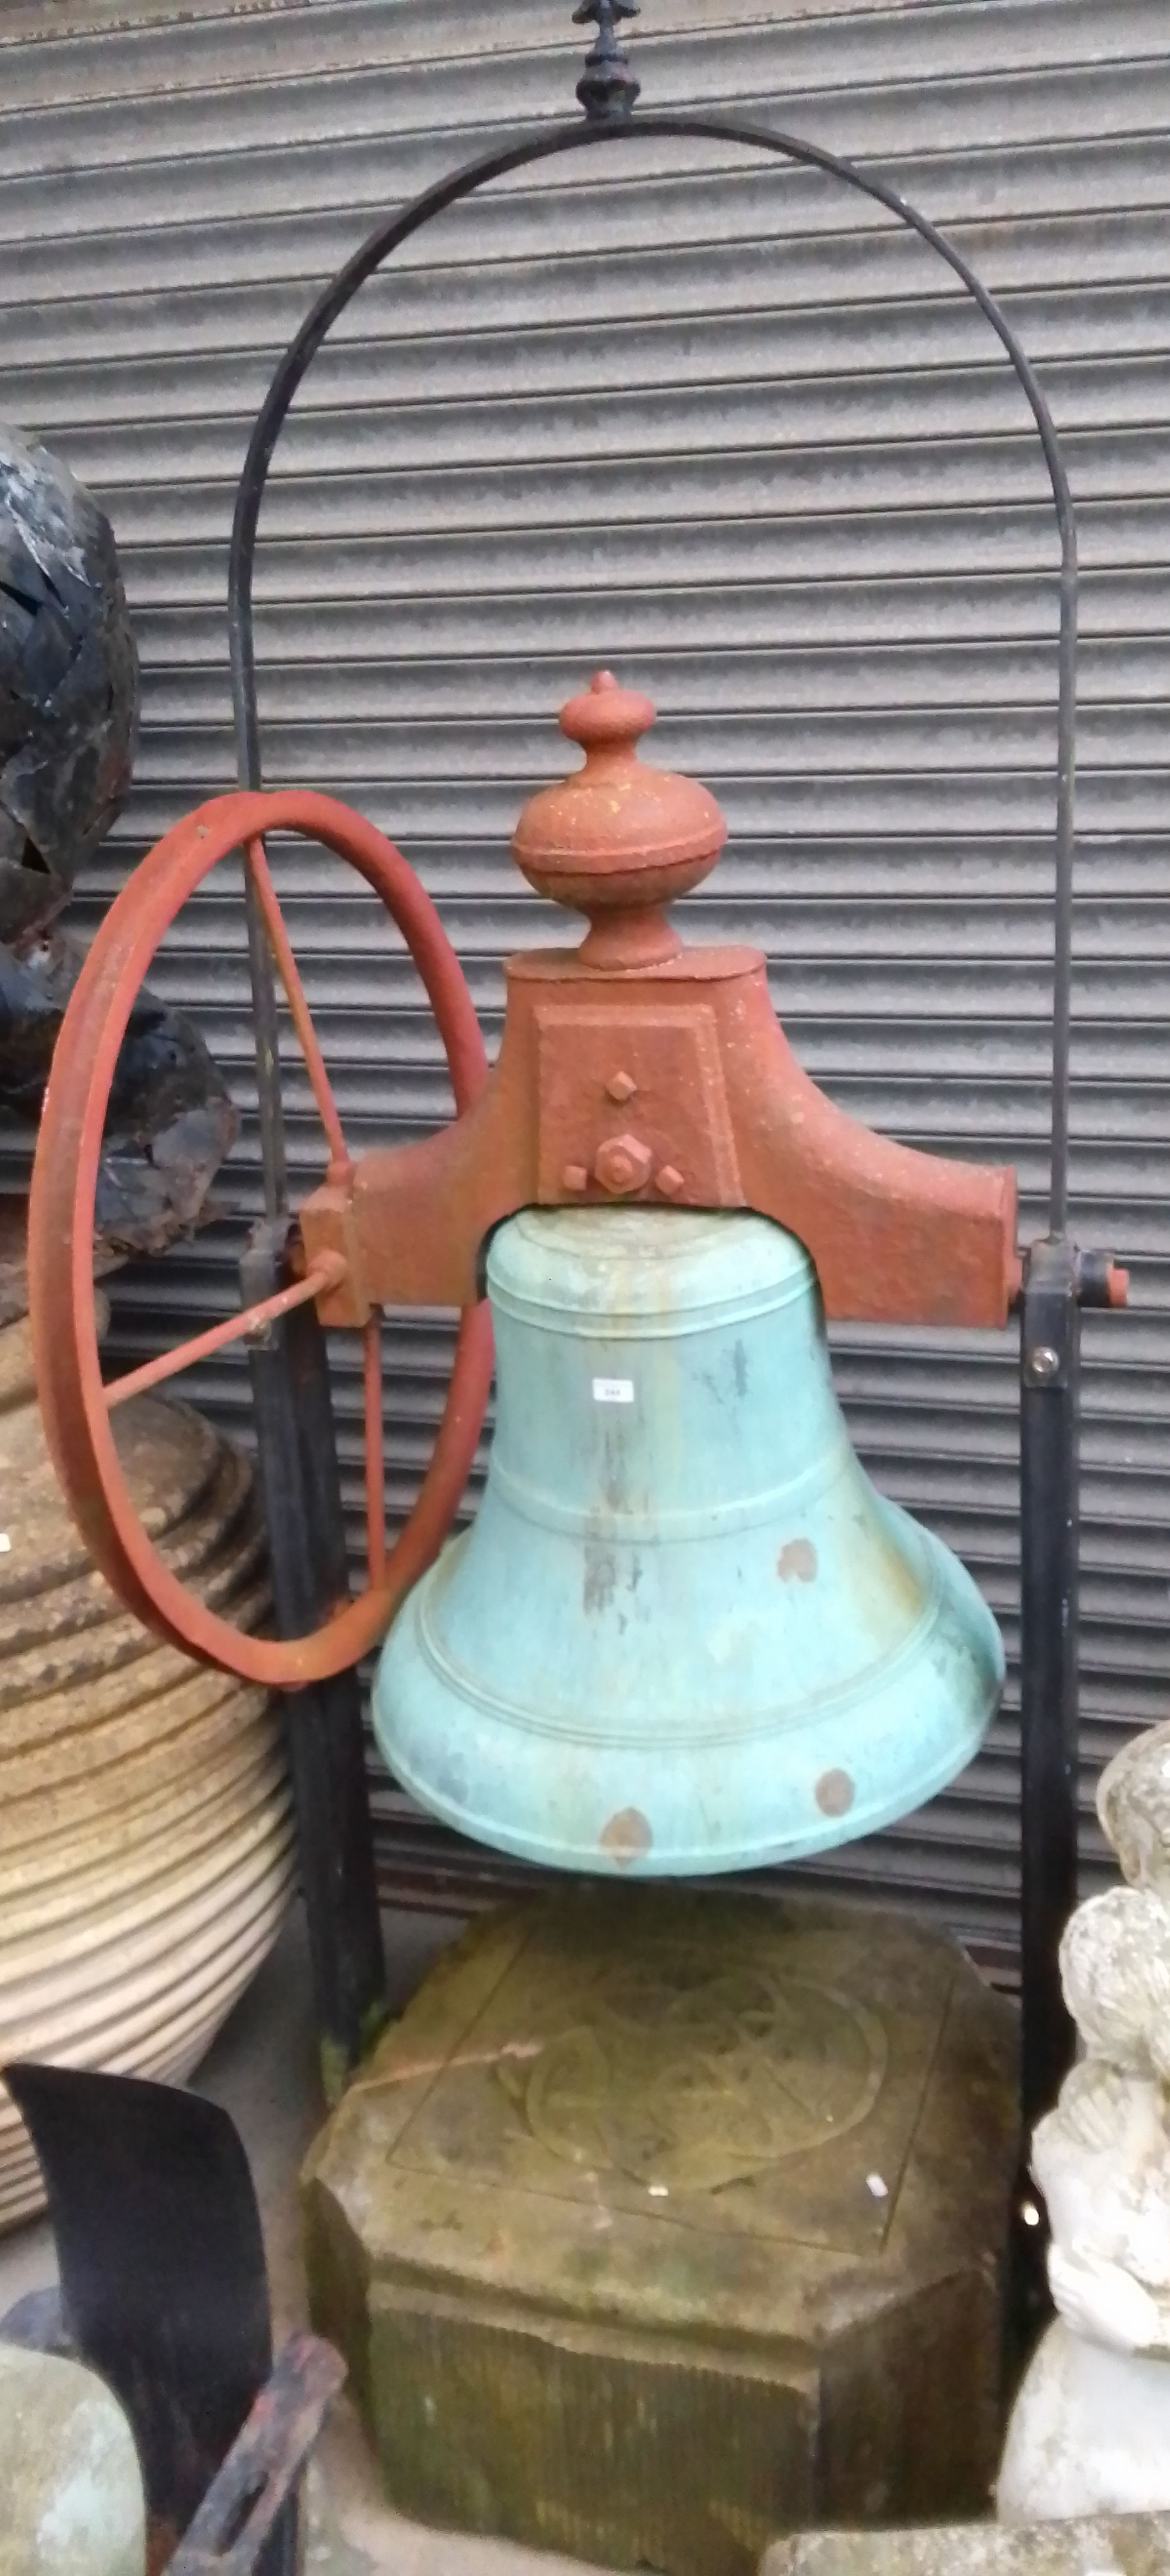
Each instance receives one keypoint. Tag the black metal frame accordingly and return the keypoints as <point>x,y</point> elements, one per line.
<point>301,1490</point>
<point>1050,1347</point>
<point>1057,1278</point>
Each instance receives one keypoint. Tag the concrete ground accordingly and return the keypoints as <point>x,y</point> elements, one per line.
<point>262,2069</point>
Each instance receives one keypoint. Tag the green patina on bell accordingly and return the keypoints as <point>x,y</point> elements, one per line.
<point>685,1633</point>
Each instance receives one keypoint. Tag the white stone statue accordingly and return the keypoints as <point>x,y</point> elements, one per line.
<point>1090,2430</point>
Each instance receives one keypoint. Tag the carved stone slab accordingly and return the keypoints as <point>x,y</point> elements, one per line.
<point>666,2220</point>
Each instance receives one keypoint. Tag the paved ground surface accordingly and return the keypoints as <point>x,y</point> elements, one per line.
<point>262,2069</point>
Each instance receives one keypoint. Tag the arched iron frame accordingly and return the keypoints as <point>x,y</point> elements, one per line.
<point>380,245</point>
<point>1058,1278</point>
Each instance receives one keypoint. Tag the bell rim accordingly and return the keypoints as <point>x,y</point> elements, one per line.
<point>702,1860</point>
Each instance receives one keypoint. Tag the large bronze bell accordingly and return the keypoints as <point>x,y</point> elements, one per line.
<point>685,1633</point>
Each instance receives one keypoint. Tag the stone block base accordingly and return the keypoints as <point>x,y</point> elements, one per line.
<point>666,2220</point>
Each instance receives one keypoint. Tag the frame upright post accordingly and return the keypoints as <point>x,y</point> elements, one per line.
<point>1049,1535</point>
<point>301,1488</point>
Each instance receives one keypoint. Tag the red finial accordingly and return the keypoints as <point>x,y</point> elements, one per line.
<point>618,840</point>
<point>606,713</point>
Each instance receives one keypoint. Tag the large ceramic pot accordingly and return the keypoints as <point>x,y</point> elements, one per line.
<point>146,1853</point>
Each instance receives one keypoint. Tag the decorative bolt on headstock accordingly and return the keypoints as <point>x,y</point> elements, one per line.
<point>607,88</point>
<point>623,1165</point>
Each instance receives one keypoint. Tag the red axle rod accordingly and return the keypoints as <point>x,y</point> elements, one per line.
<point>327,1272</point>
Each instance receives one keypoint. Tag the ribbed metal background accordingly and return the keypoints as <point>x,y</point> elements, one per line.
<point>722,425</point>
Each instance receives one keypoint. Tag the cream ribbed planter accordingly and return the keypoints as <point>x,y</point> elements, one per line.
<point>146,1848</point>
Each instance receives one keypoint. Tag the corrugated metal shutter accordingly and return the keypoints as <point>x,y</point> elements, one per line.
<point>719,425</point>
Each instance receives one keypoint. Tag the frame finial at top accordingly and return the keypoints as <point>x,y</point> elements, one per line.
<point>607,88</point>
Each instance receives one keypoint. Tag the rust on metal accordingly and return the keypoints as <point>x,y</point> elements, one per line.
<point>631,1068</point>
<point>623,1165</point>
<point>263,2469</point>
<point>618,840</point>
<point>75,1403</point>
<point>340,1159</point>
<point>634,1067</point>
<point>327,1273</point>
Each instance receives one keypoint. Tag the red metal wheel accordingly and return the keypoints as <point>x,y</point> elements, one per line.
<point>75,1403</point>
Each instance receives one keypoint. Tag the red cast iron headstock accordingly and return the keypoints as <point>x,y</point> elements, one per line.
<point>631,1068</point>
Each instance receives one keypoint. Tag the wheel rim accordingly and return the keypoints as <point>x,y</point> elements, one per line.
<point>76,1405</point>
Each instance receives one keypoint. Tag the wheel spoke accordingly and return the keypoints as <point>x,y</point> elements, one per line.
<point>375,1452</point>
<point>328,1272</point>
<point>340,1158</point>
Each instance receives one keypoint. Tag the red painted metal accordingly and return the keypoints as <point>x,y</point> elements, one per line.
<point>327,1273</point>
<point>74,1401</point>
<point>256,860</point>
<point>631,1068</point>
<point>374,1448</point>
<point>618,840</point>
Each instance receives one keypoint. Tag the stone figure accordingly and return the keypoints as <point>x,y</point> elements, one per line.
<point>1090,2431</point>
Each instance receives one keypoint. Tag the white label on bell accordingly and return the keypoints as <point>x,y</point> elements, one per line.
<point>613,1390</point>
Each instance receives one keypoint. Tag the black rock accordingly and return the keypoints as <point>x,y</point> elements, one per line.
<point>68,683</point>
<point>68,725</point>
<point>170,1119</point>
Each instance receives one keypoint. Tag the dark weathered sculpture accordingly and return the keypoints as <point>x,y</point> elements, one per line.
<point>68,726</point>
<point>68,682</point>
